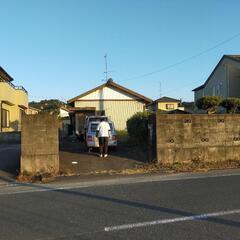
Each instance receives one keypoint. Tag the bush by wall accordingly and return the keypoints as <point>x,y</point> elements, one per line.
<point>137,127</point>
<point>208,103</point>
<point>231,105</point>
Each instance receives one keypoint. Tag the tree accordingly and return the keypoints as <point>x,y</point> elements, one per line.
<point>48,106</point>
<point>208,103</point>
<point>231,104</point>
<point>137,127</point>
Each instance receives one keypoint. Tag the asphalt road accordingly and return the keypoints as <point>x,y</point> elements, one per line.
<point>151,208</point>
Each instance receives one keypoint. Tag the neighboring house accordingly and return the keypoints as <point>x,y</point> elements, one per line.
<point>32,111</point>
<point>165,104</point>
<point>224,81</point>
<point>110,99</point>
<point>13,103</point>
<point>63,112</point>
<point>64,115</point>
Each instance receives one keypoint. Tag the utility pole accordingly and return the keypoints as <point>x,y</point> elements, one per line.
<point>106,67</point>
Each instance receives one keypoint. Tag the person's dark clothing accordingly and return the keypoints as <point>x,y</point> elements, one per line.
<point>103,145</point>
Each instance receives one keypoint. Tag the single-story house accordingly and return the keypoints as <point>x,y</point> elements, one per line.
<point>224,81</point>
<point>165,104</point>
<point>32,111</point>
<point>110,99</point>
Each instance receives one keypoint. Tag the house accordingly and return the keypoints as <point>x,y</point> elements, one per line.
<point>165,104</point>
<point>13,103</point>
<point>63,112</point>
<point>32,111</point>
<point>64,116</point>
<point>110,99</point>
<point>224,81</point>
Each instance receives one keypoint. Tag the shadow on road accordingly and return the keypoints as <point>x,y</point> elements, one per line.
<point>134,204</point>
<point>10,159</point>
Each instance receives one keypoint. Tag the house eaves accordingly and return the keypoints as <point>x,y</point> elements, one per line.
<point>5,75</point>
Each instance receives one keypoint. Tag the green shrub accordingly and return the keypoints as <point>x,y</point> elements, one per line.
<point>122,135</point>
<point>208,103</point>
<point>231,104</point>
<point>137,127</point>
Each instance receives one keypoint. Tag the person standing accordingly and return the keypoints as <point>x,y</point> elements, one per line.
<point>103,133</point>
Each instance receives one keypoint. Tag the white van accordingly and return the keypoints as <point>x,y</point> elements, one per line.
<point>92,140</point>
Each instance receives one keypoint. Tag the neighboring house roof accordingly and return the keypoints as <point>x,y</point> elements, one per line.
<point>33,108</point>
<point>179,111</point>
<point>167,99</point>
<point>64,108</point>
<point>5,75</point>
<point>231,57</point>
<point>81,109</point>
<point>112,84</point>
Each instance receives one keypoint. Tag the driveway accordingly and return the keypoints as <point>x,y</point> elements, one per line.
<point>75,160</point>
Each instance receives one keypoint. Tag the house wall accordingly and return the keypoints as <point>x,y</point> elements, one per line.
<point>119,111</point>
<point>162,106</point>
<point>224,82</point>
<point>63,113</point>
<point>186,138</point>
<point>107,93</point>
<point>11,100</point>
<point>198,94</point>
<point>234,81</point>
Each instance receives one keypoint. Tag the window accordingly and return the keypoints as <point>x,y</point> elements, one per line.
<point>169,106</point>
<point>5,118</point>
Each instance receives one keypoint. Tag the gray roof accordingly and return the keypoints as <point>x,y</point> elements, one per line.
<point>167,99</point>
<point>231,57</point>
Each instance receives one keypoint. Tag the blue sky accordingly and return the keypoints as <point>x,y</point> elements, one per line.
<point>56,48</point>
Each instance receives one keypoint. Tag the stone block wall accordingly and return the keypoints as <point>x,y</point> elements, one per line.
<point>39,144</point>
<point>201,137</point>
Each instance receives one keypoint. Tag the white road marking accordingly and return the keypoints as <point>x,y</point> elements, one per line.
<point>170,220</point>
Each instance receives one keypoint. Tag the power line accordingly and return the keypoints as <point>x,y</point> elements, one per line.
<point>185,59</point>
<point>182,87</point>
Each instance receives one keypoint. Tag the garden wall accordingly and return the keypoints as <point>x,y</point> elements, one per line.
<point>202,137</point>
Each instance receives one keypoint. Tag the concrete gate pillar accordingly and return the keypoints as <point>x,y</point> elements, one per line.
<point>39,144</point>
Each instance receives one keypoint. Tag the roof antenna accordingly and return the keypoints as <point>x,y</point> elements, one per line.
<point>106,67</point>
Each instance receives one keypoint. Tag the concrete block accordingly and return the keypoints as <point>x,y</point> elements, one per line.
<point>40,146</point>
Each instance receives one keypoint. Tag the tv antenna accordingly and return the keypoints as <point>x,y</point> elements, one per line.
<point>106,67</point>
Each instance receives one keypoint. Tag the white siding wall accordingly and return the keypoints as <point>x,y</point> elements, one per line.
<point>119,111</point>
<point>107,93</point>
<point>63,113</point>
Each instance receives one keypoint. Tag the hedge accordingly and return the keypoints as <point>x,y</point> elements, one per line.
<point>137,127</point>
